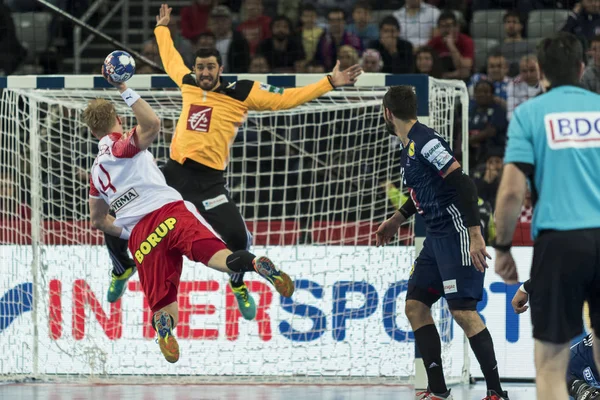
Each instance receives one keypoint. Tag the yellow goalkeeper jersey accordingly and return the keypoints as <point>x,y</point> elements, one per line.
<point>209,120</point>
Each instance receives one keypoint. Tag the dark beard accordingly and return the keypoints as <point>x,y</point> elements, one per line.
<point>280,37</point>
<point>389,127</point>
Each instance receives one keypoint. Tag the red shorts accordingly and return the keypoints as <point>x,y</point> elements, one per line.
<point>161,239</point>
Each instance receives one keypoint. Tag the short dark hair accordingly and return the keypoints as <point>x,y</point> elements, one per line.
<point>205,53</point>
<point>402,102</point>
<point>203,35</point>
<point>308,7</point>
<point>389,20</point>
<point>336,10</point>
<point>448,14</point>
<point>485,82</point>
<point>362,4</point>
<point>512,14</point>
<point>560,57</point>
<point>595,39</point>
<point>282,18</point>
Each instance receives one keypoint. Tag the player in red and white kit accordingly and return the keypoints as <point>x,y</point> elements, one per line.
<point>160,226</point>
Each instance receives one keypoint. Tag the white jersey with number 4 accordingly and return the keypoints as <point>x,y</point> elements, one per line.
<point>128,179</point>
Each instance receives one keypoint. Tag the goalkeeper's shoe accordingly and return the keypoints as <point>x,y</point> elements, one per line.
<point>280,280</point>
<point>118,284</point>
<point>163,325</point>
<point>245,302</point>
<point>492,395</point>
<point>428,395</point>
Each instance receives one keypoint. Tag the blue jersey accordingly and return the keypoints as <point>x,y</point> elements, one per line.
<point>424,160</point>
<point>559,134</point>
<point>581,364</point>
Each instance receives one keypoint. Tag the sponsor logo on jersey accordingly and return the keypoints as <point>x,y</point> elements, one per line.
<point>573,129</point>
<point>123,200</point>
<point>154,238</point>
<point>214,202</point>
<point>199,118</point>
<point>588,375</point>
<point>270,88</point>
<point>411,150</point>
<point>450,286</point>
<point>436,154</point>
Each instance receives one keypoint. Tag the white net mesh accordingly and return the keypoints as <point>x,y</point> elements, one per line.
<point>313,184</point>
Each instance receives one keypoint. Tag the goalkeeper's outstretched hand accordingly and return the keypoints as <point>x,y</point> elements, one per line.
<point>345,77</point>
<point>164,15</point>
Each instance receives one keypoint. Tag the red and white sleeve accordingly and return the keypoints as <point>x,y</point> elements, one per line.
<point>127,146</point>
<point>94,192</point>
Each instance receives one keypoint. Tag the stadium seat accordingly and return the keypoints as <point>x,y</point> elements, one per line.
<point>544,23</point>
<point>33,31</point>
<point>487,24</point>
<point>482,48</point>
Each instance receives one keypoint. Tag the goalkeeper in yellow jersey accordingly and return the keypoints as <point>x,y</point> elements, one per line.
<point>212,112</point>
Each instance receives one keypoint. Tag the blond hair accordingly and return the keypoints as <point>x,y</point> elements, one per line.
<point>100,116</point>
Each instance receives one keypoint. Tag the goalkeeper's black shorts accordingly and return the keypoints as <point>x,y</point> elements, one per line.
<point>206,188</point>
<point>565,273</point>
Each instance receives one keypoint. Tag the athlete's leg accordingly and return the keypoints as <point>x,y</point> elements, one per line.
<point>424,289</point>
<point>123,266</point>
<point>551,362</point>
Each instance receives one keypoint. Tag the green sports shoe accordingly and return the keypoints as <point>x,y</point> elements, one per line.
<point>118,285</point>
<point>246,303</point>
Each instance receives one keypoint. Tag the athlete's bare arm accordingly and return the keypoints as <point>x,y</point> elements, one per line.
<point>148,122</point>
<point>101,219</point>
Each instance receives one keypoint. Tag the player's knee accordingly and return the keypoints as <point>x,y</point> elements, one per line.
<point>240,240</point>
<point>470,322</point>
<point>416,311</point>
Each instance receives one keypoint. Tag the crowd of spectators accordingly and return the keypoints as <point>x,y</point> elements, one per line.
<point>434,37</point>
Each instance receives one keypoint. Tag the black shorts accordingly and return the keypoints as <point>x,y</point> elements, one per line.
<point>206,188</point>
<point>564,274</point>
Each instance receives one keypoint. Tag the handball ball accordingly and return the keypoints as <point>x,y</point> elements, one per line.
<point>119,65</point>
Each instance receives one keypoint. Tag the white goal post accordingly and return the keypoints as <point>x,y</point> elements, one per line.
<point>313,183</point>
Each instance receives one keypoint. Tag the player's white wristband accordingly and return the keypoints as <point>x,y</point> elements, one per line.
<point>130,97</point>
<point>522,288</point>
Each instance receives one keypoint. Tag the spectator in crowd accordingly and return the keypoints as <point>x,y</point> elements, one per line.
<point>348,56</point>
<point>310,31</point>
<point>259,65</point>
<point>427,62</point>
<point>591,76</point>
<point>525,86</point>
<point>256,26</point>
<point>232,45</point>
<point>513,47</point>
<point>362,25</point>
<point>13,53</point>
<point>205,41</point>
<point>455,49</point>
<point>397,54</point>
<point>315,67</point>
<point>194,18</point>
<point>417,20</point>
<point>487,183</point>
<point>497,68</point>
<point>282,50</point>
<point>371,61</point>
<point>487,123</point>
<point>585,21</point>
<point>336,36</point>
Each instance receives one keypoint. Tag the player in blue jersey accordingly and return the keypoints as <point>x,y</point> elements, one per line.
<point>583,380</point>
<point>453,259</point>
<point>554,142</point>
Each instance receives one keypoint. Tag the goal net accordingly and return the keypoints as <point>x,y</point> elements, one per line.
<point>313,184</point>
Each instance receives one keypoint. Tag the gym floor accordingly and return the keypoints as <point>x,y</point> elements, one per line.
<point>60,391</point>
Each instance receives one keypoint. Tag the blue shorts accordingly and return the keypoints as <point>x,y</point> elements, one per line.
<point>444,268</point>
